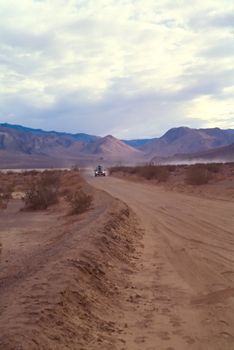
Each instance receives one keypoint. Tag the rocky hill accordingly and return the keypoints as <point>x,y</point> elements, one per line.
<point>20,146</point>
<point>186,140</point>
<point>220,154</point>
<point>110,145</point>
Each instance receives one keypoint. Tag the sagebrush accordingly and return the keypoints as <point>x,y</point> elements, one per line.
<point>149,172</point>
<point>198,175</point>
<point>5,195</point>
<point>79,201</point>
<point>42,191</point>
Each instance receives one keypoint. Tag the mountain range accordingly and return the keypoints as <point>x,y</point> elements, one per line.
<point>187,140</point>
<point>220,154</point>
<point>22,147</point>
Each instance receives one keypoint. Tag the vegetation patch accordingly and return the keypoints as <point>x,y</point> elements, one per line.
<point>214,167</point>
<point>42,191</point>
<point>198,174</point>
<point>195,174</point>
<point>79,201</point>
<point>5,195</point>
<point>148,172</point>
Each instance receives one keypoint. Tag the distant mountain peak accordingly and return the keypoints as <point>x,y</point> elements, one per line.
<point>109,137</point>
<point>110,145</point>
<point>187,140</point>
<point>175,133</point>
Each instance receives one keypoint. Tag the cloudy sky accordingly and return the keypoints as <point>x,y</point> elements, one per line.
<point>131,68</point>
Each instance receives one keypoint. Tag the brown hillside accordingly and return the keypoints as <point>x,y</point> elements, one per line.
<point>186,140</point>
<point>220,154</point>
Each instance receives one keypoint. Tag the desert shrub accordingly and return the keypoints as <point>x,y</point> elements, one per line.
<point>6,191</point>
<point>198,175</point>
<point>50,179</point>
<point>171,168</point>
<point>3,204</point>
<point>5,195</point>
<point>38,197</point>
<point>122,169</point>
<point>163,174</point>
<point>42,192</point>
<point>156,172</point>
<point>112,170</point>
<point>132,170</point>
<point>79,202</point>
<point>148,172</point>
<point>75,168</point>
<point>214,167</point>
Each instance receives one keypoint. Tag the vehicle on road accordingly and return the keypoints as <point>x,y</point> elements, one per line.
<point>99,171</point>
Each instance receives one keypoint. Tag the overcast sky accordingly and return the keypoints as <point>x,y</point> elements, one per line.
<point>131,68</point>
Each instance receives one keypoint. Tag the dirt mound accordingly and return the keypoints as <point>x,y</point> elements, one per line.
<point>65,290</point>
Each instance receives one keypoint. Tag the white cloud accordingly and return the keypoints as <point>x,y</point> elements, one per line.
<point>116,66</point>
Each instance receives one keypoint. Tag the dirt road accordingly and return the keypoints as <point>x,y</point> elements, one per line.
<point>183,296</point>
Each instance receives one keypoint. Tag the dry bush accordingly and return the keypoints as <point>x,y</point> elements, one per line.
<point>51,179</point>
<point>5,195</point>
<point>38,198</point>
<point>214,167</point>
<point>122,169</point>
<point>75,167</point>
<point>149,172</point>
<point>30,172</point>
<point>6,191</point>
<point>3,204</point>
<point>198,174</point>
<point>71,181</point>
<point>163,174</point>
<point>171,168</point>
<point>79,201</point>
<point>42,191</point>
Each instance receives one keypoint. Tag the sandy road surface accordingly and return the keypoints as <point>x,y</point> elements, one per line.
<point>184,280</point>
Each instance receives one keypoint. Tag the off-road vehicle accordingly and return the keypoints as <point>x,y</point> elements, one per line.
<point>99,171</point>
